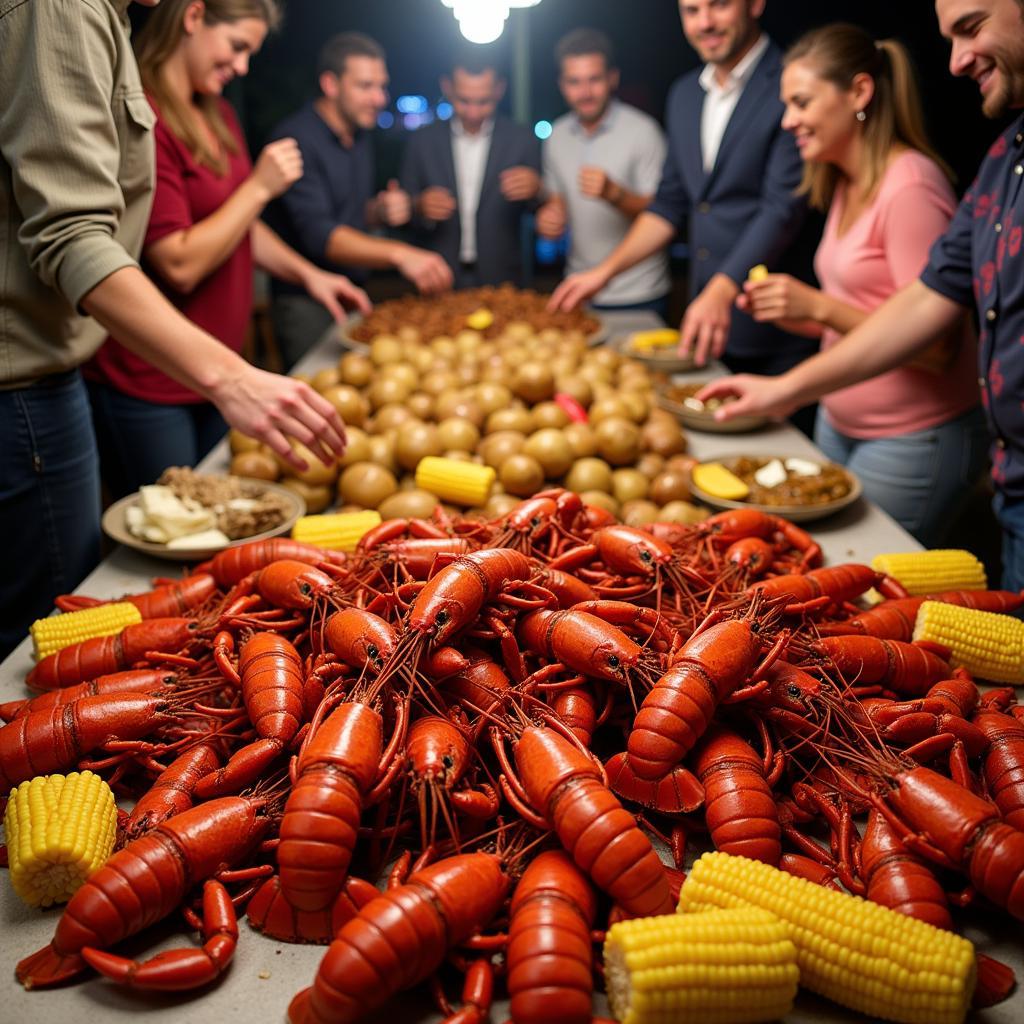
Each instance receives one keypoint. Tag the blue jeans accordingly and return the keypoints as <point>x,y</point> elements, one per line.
<point>138,440</point>
<point>1010,513</point>
<point>922,479</point>
<point>49,499</point>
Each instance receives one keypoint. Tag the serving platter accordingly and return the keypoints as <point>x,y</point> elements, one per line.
<point>661,360</point>
<point>115,526</point>
<point>794,513</point>
<point>343,332</point>
<point>704,420</point>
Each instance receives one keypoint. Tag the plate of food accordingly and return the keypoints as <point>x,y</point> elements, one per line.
<point>489,311</point>
<point>791,486</point>
<point>657,350</point>
<point>188,516</point>
<point>681,401</point>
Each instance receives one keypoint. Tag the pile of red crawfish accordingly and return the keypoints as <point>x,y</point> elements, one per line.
<point>499,715</point>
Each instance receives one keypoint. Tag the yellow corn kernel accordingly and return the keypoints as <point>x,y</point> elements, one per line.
<point>758,273</point>
<point>336,531</point>
<point>59,631</point>
<point>987,644</point>
<point>928,572</point>
<point>662,337</point>
<point>480,319</point>
<point>59,830</point>
<point>720,967</point>
<point>714,479</point>
<point>859,954</point>
<point>462,483</point>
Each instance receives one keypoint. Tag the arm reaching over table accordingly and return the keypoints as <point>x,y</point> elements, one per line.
<point>894,333</point>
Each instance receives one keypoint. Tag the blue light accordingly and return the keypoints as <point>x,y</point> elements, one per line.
<point>412,104</point>
<point>444,110</point>
<point>385,119</point>
<point>412,121</point>
<point>542,129</point>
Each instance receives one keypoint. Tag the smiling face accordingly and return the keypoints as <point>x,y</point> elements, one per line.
<point>360,92</point>
<point>474,97</point>
<point>587,85</point>
<point>214,54</point>
<point>721,31</point>
<point>821,116</point>
<point>987,39</point>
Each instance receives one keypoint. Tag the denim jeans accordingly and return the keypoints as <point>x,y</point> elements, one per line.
<point>298,323</point>
<point>138,440</point>
<point>1010,513</point>
<point>49,499</point>
<point>922,479</point>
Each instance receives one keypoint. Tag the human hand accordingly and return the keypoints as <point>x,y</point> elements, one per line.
<point>576,289</point>
<point>273,408</point>
<point>335,292</point>
<point>519,183</point>
<point>596,184</point>
<point>753,395</point>
<point>436,203</point>
<point>278,166</point>
<point>705,327</point>
<point>427,270</point>
<point>551,220</point>
<point>393,205</point>
<point>780,297</point>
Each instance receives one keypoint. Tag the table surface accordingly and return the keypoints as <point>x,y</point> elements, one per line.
<point>265,974</point>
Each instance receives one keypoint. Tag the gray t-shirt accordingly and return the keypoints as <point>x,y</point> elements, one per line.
<point>630,147</point>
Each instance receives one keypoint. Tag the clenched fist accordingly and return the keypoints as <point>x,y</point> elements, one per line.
<point>519,183</point>
<point>278,166</point>
<point>436,203</point>
<point>394,207</point>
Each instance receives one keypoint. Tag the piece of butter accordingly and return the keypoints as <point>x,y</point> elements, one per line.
<point>202,539</point>
<point>771,474</point>
<point>758,273</point>
<point>803,467</point>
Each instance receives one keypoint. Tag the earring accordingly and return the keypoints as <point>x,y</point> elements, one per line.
<point>861,116</point>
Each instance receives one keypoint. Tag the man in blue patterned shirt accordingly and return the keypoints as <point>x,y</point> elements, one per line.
<point>978,263</point>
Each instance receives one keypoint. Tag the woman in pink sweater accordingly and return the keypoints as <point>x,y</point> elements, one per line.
<point>916,435</point>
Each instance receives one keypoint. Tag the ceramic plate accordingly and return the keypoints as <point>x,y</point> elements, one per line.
<point>705,421</point>
<point>661,360</point>
<point>115,527</point>
<point>795,513</point>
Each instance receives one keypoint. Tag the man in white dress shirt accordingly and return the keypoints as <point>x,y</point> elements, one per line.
<point>602,164</point>
<point>731,176</point>
<point>472,178</point>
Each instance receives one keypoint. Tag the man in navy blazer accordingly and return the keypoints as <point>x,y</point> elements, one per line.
<point>471,179</point>
<point>732,173</point>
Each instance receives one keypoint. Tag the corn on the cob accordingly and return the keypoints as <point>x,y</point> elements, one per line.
<point>928,572</point>
<point>661,337</point>
<point>59,830</point>
<point>462,483</point>
<point>987,644</point>
<point>719,967</point>
<point>337,531</point>
<point>59,631</point>
<point>859,954</point>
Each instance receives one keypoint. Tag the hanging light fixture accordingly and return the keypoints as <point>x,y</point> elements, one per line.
<point>483,21</point>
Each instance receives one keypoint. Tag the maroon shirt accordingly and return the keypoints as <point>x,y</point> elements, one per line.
<point>187,192</point>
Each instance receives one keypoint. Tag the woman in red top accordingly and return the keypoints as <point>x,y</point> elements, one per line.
<point>204,233</point>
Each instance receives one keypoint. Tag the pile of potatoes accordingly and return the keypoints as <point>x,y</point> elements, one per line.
<point>492,401</point>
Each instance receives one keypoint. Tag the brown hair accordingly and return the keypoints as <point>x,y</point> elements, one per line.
<point>841,52</point>
<point>582,42</point>
<point>159,39</point>
<point>336,51</point>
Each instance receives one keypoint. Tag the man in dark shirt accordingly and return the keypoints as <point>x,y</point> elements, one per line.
<point>977,263</point>
<point>327,213</point>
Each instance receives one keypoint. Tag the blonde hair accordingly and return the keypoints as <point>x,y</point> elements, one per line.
<point>841,52</point>
<point>156,43</point>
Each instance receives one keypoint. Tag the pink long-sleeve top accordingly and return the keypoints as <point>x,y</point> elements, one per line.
<point>883,250</point>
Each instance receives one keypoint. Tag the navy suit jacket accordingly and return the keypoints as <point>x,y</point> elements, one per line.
<point>428,161</point>
<point>744,212</point>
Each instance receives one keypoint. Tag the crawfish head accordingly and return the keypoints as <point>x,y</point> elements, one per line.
<point>795,700</point>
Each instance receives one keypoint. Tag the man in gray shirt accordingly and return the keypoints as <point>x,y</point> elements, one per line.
<point>602,165</point>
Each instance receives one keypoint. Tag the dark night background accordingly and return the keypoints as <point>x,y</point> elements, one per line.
<point>420,37</point>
